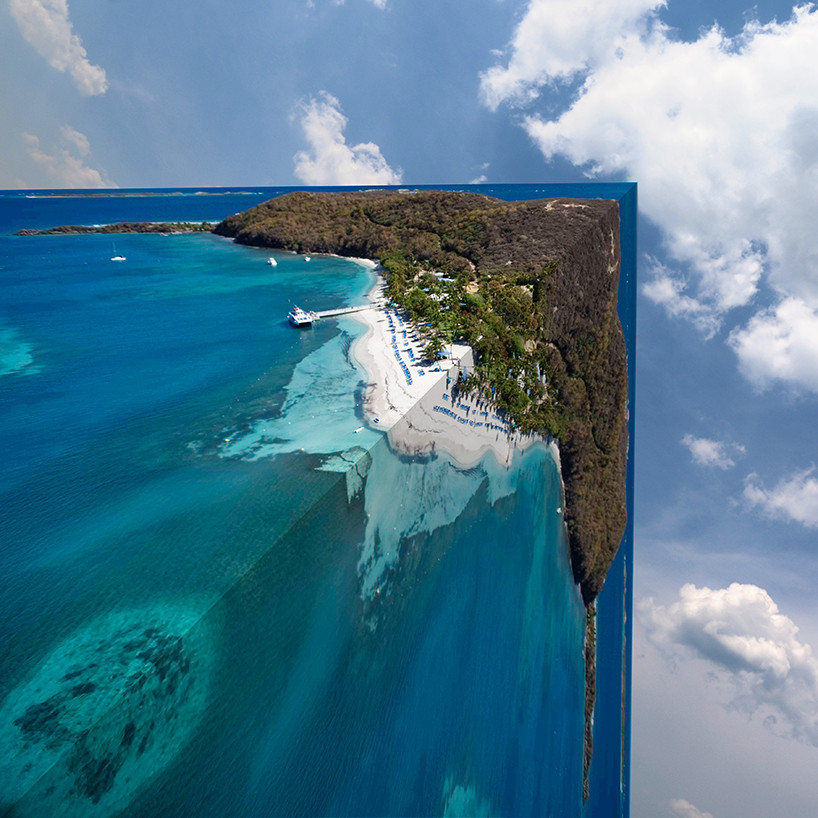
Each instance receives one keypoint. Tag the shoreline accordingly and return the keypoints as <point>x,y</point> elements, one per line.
<point>417,404</point>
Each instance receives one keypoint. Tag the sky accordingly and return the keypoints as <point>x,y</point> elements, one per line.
<point>712,108</point>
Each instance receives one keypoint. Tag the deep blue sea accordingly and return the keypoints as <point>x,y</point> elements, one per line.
<point>185,625</point>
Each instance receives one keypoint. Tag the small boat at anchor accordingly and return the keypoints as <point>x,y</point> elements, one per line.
<point>272,262</point>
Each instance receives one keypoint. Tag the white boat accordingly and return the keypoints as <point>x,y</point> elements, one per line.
<point>117,258</point>
<point>272,262</point>
<point>298,318</point>
<point>307,258</point>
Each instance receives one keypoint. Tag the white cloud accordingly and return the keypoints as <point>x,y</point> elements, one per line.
<point>684,809</point>
<point>794,498</point>
<point>556,39</point>
<point>719,132</point>
<point>668,290</point>
<point>707,127</point>
<point>45,24</point>
<point>330,161</point>
<point>64,168</point>
<point>780,343</point>
<point>752,649</point>
<point>708,452</point>
<point>77,139</point>
<point>481,178</point>
<point>381,4</point>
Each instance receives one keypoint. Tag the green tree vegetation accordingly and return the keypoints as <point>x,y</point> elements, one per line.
<point>432,348</point>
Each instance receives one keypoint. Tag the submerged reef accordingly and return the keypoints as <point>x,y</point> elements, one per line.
<point>531,286</point>
<point>107,710</point>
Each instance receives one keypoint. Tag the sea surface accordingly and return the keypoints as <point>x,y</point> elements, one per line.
<point>219,598</point>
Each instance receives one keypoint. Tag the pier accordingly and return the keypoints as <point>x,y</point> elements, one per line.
<point>341,311</point>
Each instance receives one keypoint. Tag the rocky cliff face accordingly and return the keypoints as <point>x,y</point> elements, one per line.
<point>535,294</point>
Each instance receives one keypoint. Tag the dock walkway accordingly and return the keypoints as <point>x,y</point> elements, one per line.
<point>341,311</point>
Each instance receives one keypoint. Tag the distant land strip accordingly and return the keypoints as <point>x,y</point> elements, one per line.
<point>121,227</point>
<point>113,194</point>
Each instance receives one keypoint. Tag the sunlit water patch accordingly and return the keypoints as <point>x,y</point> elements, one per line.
<point>461,801</point>
<point>106,711</point>
<point>16,355</point>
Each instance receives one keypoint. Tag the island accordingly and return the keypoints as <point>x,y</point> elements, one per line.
<point>531,287</point>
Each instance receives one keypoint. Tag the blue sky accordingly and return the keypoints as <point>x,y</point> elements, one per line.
<point>711,107</point>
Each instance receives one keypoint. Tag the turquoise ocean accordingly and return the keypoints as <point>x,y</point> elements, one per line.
<point>191,529</point>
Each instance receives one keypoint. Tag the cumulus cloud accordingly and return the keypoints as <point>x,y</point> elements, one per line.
<point>63,166</point>
<point>684,809</point>
<point>752,649</point>
<point>556,39</point>
<point>667,289</point>
<point>708,452</point>
<point>330,161</point>
<point>780,343</point>
<point>705,125</point>
<point>45,24</point>
<point>78,140</point>
<point>794,498</point>
<point>479,180</point>
<point>719,132</point>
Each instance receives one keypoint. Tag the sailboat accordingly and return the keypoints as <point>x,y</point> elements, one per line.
<point>116,257</point>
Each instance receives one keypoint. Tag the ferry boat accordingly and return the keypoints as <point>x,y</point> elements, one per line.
<point>298,318</point>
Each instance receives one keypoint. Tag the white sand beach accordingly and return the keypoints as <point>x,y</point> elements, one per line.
<point>414,403</point>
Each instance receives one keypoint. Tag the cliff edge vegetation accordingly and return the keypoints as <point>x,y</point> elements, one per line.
<point>531,286</point>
